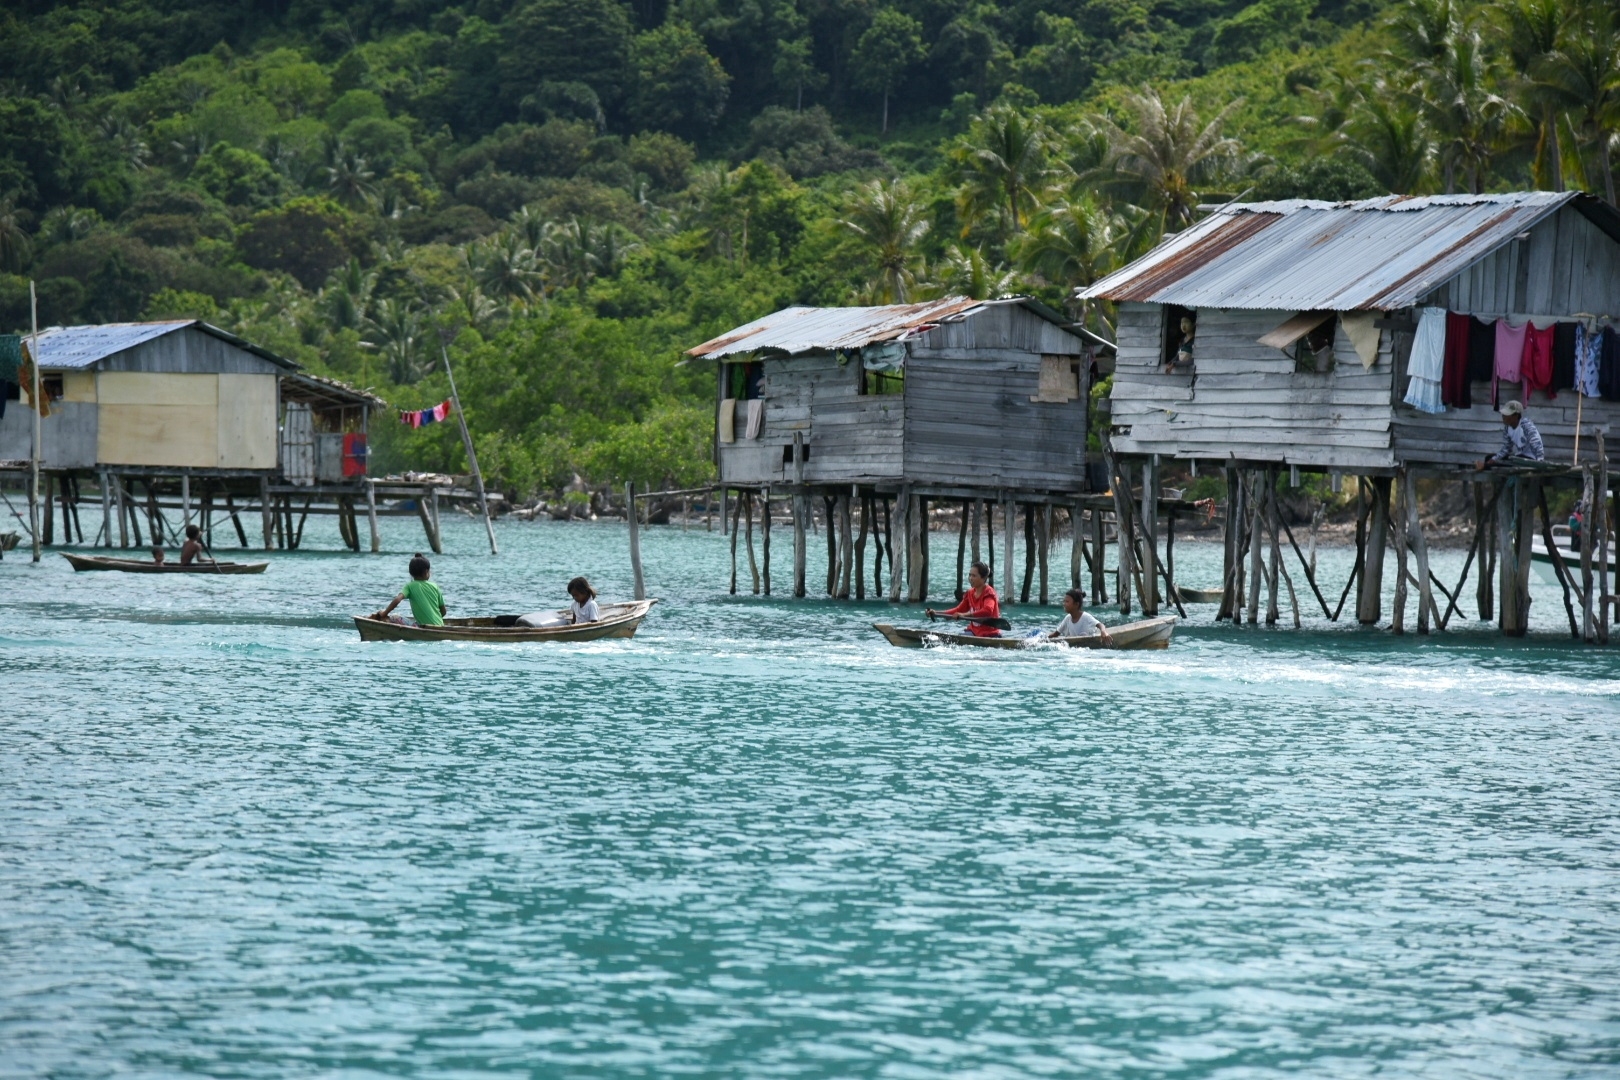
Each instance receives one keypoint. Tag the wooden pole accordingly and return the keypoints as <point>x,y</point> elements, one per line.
<point>1077,544</point>
<point>899,543</point>
<point>1601,508</point>
<point>1043,546</point>
<point>764,539</point>
<point>725,509</point>
<point>978,525</point>
<point>639,582</point>
<point>106,508</point>
<point>829,509</point>
<point>1124,533</point>
<point>1508,526</point>
<point>736,512</point>
<point>1170,560</point>
<point>1484,528</point>
<point>1588,535</point>
<point>800,509</point>
<point>1398,526</point>
<point>1099,558</point>
<point>880,544</point>
<point>371,515</point>
<point>1274,569</point>
<point>472,458</point>
<point>1565,578</point>
<point>921,590</point>
<point>1370,604</point>
<point>236,520</point>
<point>961,549</point>
<point>265,513</point>
<point>1150,535</point>
<point>121,508</point>
<point>34,400</point>
<point>48,518</point>
<point>1009,515</point>
<point>1420,555</point>
<point>1030,557</point>
<point>185,499</point>
<point>748,539</point>
<point>865,504</point>
<point>846,546</point>
<point>1259,504</point>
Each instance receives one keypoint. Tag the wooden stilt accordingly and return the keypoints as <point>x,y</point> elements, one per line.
<point>1229,531</point>
<point>829,505</point>
<point>120,507</point>
<point>899,543</point>
<point>638,582</point>
<point>1043,550</point>
<point>1149,519</point>
<point>48,516</point>
<point>106,508</point>
<point>1601,509</point>
<point>748,540</point>
<point>846,546</point>
<point>1514,527</point>
<point>185,500</point>
<point>1398,527</point>
<point>1370,605</point>
<point>735,506</point>
<point>1420,555</point>
<point>801,510</point>
<point>298,537</point>
<point>1588,535</point>
<point>1124,535</point>
<point>1009,516</point>
<point>978,525</point>
<point>725,509</point>
<point>1030,557</point>
<point>236,519</point>
<point>1170,560</point>
<point>1274,567</point>
<point>922,550</point>
<point>990,540</point>
<point>265,513</point>
<point>1077,544</point>
<point>860,543</point>
<point>371,516</point>
<point>1566,579</point>
<point>961,550</point>
<point>1485,528</point>
<point>764,539</point>
<point>1099,558</point>
<point>206,516</point>
<point>1259,504</point>
<point>881,544</point>
<point>1309,566</point>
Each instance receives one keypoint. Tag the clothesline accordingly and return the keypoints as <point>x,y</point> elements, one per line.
<point>1451,351</point>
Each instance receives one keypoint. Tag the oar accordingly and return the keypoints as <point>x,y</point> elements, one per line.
<point>202,538</point>
<point>999,624</point>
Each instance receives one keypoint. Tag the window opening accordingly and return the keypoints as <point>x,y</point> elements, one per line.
<point>1180,328</point>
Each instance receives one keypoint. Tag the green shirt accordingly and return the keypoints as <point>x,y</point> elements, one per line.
<point>426,602</point>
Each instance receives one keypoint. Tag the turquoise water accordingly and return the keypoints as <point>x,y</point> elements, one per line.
<point>759,841</point>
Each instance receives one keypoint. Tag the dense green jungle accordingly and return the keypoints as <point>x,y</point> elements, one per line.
<point>569,193</point>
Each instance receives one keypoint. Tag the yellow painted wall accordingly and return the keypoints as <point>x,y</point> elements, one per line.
<point>153,388</point>
<point>148,418</point>
<point>247,421</point>
<point>79,386</point>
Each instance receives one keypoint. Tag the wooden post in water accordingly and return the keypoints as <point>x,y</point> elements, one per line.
<point>371,515</point>
<point>120,507</point>
<point>865,504</point>
<point>185,500</point>
<point>1258,506</point>
<point>1043,546</point>
<point>1420,557</point>
<point>1516,522</point>
<point>1274,567</point>
<point>639,584</point>
<point>1229,543</point>
<point>899,543</point>
<point>1099,556</point>
<point>1588,536</point>
<point>1485,524</point>
<point>1370,602</point>
<point>1009,516</point>
<point>736,511</point>
<point>106,509</point>
<point>829,505</point>
<point>725,508</point>
<point>1600,509</point>
<point>846,545</point>
<point>1077,543</point>
<point>472,458</point>
<point>764,539</point>
<point>881,544</point>
<point>1150,536</point>
<point>978,525</point>
<point>37,452</point>
<point>1398,529</point>
<point>800,509</point>
<point>748,541</point>
<point>1124,533</point>
<point>961,550</point>
<point>1030,556</point>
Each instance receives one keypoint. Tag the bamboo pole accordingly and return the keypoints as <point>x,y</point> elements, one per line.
<point>638,581</point>
<point>472,458</point>
<point>34,400</point>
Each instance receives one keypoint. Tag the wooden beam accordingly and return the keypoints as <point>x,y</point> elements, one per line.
<point>1369,606</point>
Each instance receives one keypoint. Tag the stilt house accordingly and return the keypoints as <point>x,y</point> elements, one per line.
<point>1282,334</point>
<point>1301,317</point>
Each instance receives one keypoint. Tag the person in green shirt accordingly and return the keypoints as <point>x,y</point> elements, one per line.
<point>427,602</point>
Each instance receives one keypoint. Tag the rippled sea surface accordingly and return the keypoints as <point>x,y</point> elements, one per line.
<point>757,841</point>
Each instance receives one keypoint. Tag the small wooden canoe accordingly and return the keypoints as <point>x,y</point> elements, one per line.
<point>1147,634</point>
<point>1200,596</point>
<point>9,540</point>
<point>618,621</point>
<point>147,566</point>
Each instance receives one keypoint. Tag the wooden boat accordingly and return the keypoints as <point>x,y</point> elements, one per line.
<point>147,566</point>
<point>1146,634</point>
<point>1200,596</point>
<point>618,621</point>
<point>9,540</point>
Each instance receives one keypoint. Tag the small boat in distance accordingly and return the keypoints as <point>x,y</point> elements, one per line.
<point>617,621</point>
<point>147,566</point>
<point>1541,557</point>
<point>1200,596</point>
<point>1146,634</point>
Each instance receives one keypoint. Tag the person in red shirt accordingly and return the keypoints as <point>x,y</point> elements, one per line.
<point>979,605</point>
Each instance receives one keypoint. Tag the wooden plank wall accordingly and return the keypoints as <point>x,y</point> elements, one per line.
<point>1246,400</point>
<point>190,351</point>
<point>68,437</point>
<point>1566,266</point>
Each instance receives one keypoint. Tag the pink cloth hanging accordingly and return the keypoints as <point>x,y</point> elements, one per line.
<point>1509,356</point>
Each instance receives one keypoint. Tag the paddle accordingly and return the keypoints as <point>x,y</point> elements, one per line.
<point>999,624</point>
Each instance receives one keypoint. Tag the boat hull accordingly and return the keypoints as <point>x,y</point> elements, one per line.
<point>1146,634</point>
<point>141,566</point>
<point>618,621</point>
<point>1200,596</point>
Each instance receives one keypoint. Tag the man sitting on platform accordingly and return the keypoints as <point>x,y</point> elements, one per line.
<point>1521,441</point>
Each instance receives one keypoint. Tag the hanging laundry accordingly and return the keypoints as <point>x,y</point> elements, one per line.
<point>1454,388</point>
<point>1563,356</point>
<point>354,454</point>
<point>1588,352</point>
<point>1481,350</point>
<point>1427,363</point>
<point>1609,366</point>
<point>1509,356</point>
<point>11,355</point>
<point>1536,368</point>
<point>1362,329</point>
<point>415,418</point>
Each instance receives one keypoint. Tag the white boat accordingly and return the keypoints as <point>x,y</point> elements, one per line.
<point>1541,558</point>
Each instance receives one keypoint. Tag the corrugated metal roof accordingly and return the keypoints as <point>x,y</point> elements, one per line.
<point>66,348</point>
<point>798,330</point>
<point>1300,255</point>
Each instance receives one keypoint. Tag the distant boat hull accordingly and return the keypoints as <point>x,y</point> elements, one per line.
<point>618,621</point>
<point>1147,634</point>
<point>146,566</point>
<point>1541,557</point>
<point>1200,596</point>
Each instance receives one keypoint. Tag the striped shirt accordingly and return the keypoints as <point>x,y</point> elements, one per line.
<point>1521,441</point>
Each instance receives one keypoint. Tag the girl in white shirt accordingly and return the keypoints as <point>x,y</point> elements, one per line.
<point>1077,622</point>
<point>583,609</point>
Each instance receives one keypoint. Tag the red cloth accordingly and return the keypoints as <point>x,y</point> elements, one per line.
<point>1537,365</point>
<point>979,604</point>
<point>354,454</point>
<point>1454,386</point>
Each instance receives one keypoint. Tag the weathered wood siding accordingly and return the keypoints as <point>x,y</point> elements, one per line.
<point>1246,400</point>
<point>67,438</point>
<point>850,437</point>
<point>1565,265</point>
<point>190,351</point>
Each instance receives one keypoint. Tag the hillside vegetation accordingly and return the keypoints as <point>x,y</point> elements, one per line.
<point>565,194</point>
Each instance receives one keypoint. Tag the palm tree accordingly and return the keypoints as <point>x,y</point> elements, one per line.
<point>889,222</point>
<point>1070,242</point>
<point>350,177</point>
<point>346,299</point>
<point>395,331</point>
<point>15,245</point>
<point>1470,117</point>
<point>966,272</point>
<point>1391,138</point>
<point>1583,76</point>
<point>1167,155</point>
<point>503,266</point>
<point>1001,162</point>
<point>1532,30</point>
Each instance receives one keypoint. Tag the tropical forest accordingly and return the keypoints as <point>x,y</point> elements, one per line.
<point>564,195</point>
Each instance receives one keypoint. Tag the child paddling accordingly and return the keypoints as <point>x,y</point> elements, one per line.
<point>427,602</point>
<point>1077,621</point>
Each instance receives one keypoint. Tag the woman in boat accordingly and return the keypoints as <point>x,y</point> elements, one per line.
<point>980,605</point>
<point>427,602</point>
<point>583,609</point>
<point>192,549</point>
<point>1077,621</point>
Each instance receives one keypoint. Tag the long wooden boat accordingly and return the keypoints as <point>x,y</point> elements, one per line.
<point>147,566</point>
<point>617,621</point>
<point>1200,596</point>
<point>1146,634</point>
<point>9,540</point>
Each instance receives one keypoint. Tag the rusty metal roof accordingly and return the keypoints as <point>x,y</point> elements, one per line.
<point>69,348</point>
<point>798,330</point>
<point>1301,255</point>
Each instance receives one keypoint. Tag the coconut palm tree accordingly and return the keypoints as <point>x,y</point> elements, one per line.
<point>15,246</point>
<point>395,331</point>
<point>965,271</point>
<point>350,177</point>
<point>1070,242</point>
<point>346,300</point>
<point>1388,135</point>
<point>1001,162</point>
<point>1470,118</point>
<point>1532,30</point>
<point>1583,75</point>
<point>504,267</point>
<point>1168,153</point>
<point>888,223</point>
